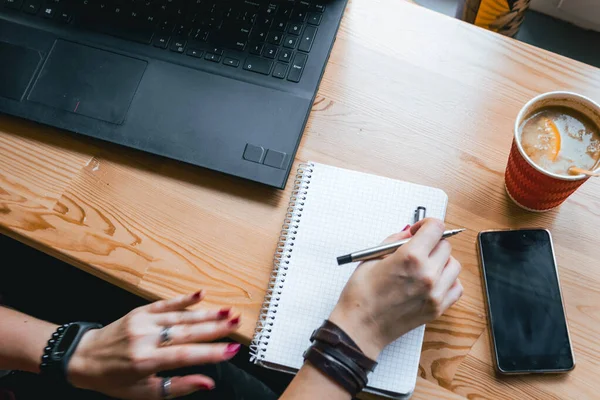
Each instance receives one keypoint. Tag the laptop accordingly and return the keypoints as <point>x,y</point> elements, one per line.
<point>222,84</point>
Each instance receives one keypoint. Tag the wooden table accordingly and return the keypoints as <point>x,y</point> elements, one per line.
<point>408,94</point>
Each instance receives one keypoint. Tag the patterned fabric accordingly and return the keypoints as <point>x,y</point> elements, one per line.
<point>502,16</point>
<point>532,189</point>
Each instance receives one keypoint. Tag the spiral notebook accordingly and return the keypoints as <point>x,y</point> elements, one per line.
<point>335,211</point>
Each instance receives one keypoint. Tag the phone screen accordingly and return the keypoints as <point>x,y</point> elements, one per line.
<point>527,316</point>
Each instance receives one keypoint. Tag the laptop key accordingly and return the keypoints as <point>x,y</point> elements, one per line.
<point>258,65</point>
<point>279,25</point>
<point>31,6</point>
<point>151,19</point>
<point>264,21</point>
<point>178,45</point>
<point>314,18</point>
<point>274,38</point>
<point>161,41</point>
<point>48,12</point>
<point>284,11</point>
<point>271,9</point>
<point>134,17</point>
<point>280,70</point>
<point>318,7</point>
<point>290,41</point>
<point>215,50</point>
<point>307,38</point>
<point>285,55</point>
<point>181,30</point>
<point>237,45</point>
<point>65,17</point>
<point>166,26</point>
<point>14,4</point>
<point>212,57</point>
<point>297,67</point>
<point>102,6</point>
<point>215,23</point>
<point>295,28</point>
<point>298,14</point>
<point>194,53</point>
<point>270,51</point>
<point>232,62</point>
<point>200,34</point>
<point>258,34</point>
<point>256,48</point>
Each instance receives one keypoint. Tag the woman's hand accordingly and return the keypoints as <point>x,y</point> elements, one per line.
<point>121,359</point>
<point>388,297</point>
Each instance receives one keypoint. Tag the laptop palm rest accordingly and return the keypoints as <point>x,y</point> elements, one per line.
<point>88,81</point>
<point>17,69</point>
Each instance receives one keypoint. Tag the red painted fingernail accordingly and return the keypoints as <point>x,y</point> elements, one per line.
<point>204,386</point>
<point>234,321</point>
<point>197,295</point>
<point>232,349</point>
<point>406,228</point>
<point>224,313</point>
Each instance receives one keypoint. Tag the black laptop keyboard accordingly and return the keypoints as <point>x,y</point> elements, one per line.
<point>270,37</point>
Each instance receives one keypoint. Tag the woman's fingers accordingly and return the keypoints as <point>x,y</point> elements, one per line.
<point>398,236</point>
<point>186,355</point>
<point>180,386</point>
<point>176,304</point>
<point>405,234</point>
<point>426,234</point>
<point>202,332</point>
<point>447,278</point>
<point>452,296</point>
<point>440,255</point>
<point>191,317</point>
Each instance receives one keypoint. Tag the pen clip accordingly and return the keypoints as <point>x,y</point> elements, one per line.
<point>420,214</point>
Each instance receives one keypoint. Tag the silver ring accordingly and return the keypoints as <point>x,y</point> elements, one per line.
<point>165,336</point>
<point>165,388</point>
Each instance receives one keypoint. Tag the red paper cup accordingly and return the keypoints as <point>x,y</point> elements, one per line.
<point>527,184</point>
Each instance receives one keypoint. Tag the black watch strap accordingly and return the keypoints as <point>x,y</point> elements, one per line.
<point>60,348</point>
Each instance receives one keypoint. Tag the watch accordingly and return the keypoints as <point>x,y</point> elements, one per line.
<point>60,348</point>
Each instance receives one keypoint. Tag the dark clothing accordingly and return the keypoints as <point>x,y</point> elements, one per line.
<point>231,383</point>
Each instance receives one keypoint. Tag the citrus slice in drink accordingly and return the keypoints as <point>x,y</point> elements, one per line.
<point>554,138</point>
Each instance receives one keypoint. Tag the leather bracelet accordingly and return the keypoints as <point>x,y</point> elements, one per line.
<point>359,374</point>
<point>335,354</point>
<point>333,335</point>
<point>333,369</point>
<point>327,324</point>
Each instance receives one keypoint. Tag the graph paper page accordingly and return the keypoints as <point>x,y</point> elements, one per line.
<point>344,211</point>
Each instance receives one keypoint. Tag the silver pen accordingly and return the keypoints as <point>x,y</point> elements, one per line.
<point>384,249</point>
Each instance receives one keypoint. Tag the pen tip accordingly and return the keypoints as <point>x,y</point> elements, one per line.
<point>341,260</point>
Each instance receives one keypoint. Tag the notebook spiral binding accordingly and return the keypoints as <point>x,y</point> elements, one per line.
<point>280,263</point>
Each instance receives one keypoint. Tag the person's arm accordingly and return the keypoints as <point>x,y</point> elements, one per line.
<point>310,383</point>
<point>385,299</point>
<point>23,339</point>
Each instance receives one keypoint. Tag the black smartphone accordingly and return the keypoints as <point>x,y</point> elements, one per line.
<point>527,317</point>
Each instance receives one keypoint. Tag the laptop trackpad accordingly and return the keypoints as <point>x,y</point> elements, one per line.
<point>16,69</point>
<point>88,81</point>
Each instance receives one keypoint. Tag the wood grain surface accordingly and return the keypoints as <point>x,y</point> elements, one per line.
<point>408,94</point>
